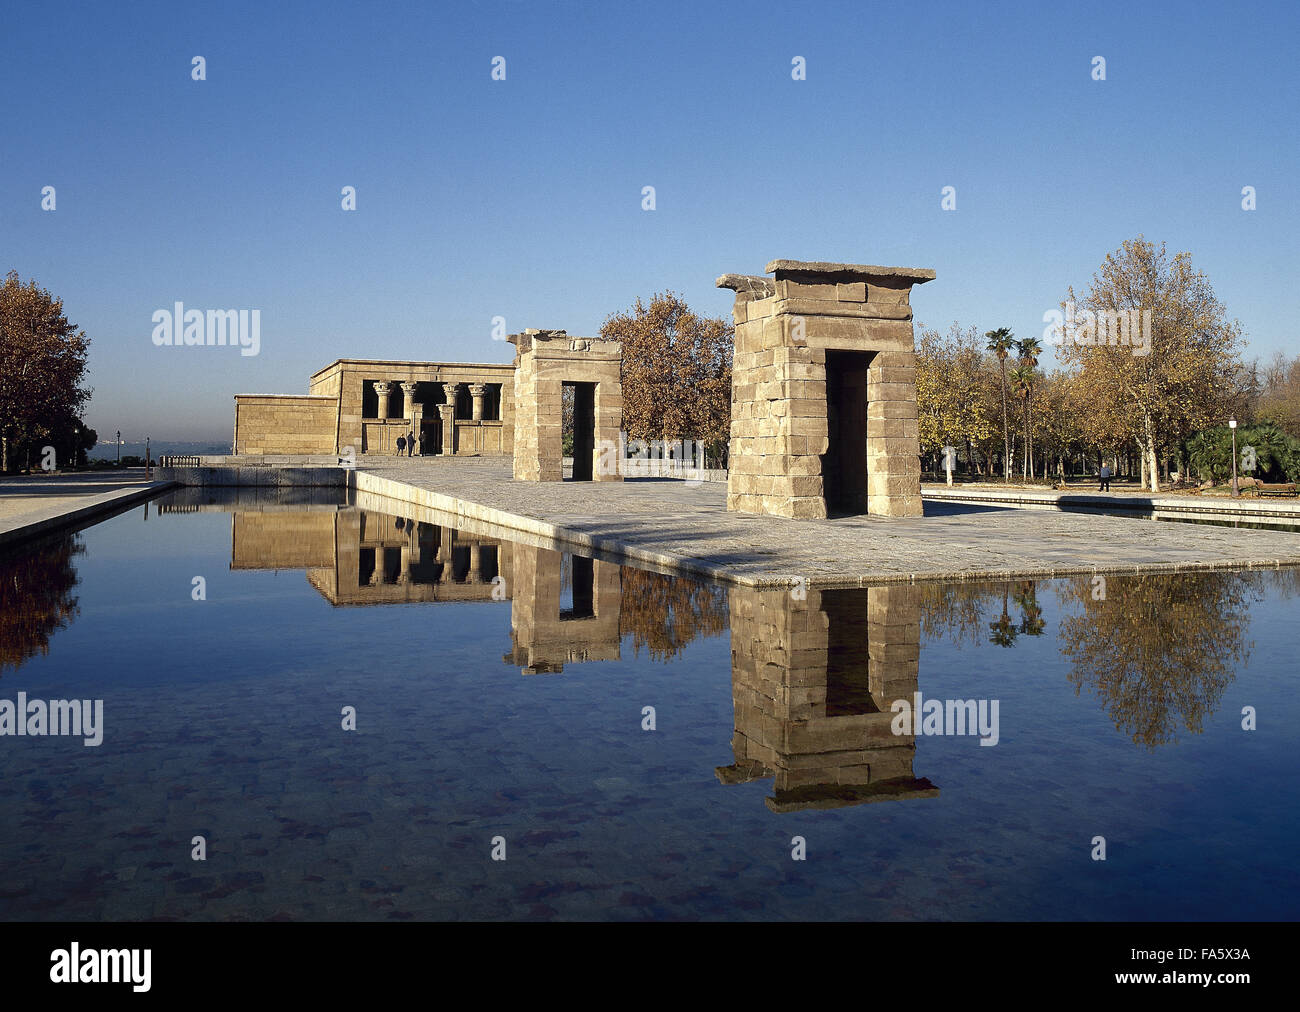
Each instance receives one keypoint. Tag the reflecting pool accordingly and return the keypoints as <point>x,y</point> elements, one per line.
<point>366,711</point>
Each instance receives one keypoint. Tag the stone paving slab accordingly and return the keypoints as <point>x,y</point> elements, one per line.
<point>32,505</point>
<point>668,523</point>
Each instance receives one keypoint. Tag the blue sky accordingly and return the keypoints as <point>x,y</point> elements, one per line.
<point>522,198</point>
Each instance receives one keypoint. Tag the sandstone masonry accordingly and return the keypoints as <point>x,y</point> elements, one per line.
<point>823,404</point>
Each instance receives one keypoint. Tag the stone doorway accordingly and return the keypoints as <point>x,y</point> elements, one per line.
<point>584,430</point>
<point>430,438</point>
<point>844,464</point>
<point>848,653</point>
<point>546,361</point>
<point>581,595</point>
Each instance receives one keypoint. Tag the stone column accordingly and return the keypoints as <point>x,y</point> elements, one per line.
<point>382,389</point>
<point>477,390</point>
<point>475,565</point>
<point>448,413</point>
<point>444,549</point>
<point>408,404</point>
<point>405,576</point>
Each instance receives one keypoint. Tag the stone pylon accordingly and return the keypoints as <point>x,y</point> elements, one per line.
<point>823,396</point>
<point>545,361</point>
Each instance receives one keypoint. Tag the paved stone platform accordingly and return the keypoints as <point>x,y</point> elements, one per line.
<point>33,504</point>
<point>668,523</point>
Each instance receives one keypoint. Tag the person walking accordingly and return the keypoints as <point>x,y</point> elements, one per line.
<point>1104,484</point>
<point>410,443</point>
<point>401,445</point>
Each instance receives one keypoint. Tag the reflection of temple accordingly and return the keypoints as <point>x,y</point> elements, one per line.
<point>566,609</point>
<point>361,557</point>
<point>812,683</point>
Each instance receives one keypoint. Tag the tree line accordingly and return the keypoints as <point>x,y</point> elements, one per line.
<point>1149,412</point>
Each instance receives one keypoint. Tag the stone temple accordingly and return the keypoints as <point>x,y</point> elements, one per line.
<point>454,409</point>
<point>823,399</point>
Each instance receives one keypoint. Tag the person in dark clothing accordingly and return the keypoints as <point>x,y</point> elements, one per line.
<point>1104,484</point>
<point>410,443</point>
<point>401,444</point>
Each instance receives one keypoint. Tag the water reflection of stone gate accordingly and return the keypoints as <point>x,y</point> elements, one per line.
<point>812,684</point>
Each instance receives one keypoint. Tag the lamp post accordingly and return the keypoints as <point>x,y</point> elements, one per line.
<point>119,447</point>
<point>1232,424</point>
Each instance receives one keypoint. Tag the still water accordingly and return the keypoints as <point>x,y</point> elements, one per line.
<point>504,693</point>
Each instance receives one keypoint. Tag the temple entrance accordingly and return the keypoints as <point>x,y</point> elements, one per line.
<point>430,438</point>
<point>844,464</point>
<point>584,430</point>
<point>577,594</point>
<point>848,654</point>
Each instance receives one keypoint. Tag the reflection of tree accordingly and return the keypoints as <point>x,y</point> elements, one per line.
<point>35,598</point>
<point>665,613</point>
<point>1159,649</point>
<point>960,611</point>
<point>955,610</point>
<point>1032,622</point>
<point>1003,632</point>
<point>1284,582</point>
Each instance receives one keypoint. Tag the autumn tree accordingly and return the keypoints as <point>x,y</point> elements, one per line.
<point>664,614</point>
<point>1279,397</point>
<point>1185,381</point>
<point>952,403</point>
<point>676,372</point>
<point>1158,651</point>
<point>42,365</point>
<point>36,598</point>
<point>1058,422</point>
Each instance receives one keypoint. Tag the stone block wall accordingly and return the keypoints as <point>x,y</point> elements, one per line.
<point>284,423</point>
<point>282,539</point>
<point>544,362</point>
<point>790,330</point>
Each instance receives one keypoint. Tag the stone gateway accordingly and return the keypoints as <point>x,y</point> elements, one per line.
<point>823,396</point>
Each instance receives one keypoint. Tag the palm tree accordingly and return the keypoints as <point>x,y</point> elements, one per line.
<point>1031,621</point>
<point>1030,348</point>
<point>1000,343</point>
<point>1003,632</point>
<point>1023,377</point>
